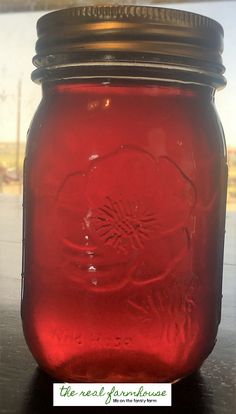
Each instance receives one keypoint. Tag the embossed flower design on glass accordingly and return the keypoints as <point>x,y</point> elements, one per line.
<point>125,220</point>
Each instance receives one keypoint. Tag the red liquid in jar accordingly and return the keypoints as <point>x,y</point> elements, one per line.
<point>124,232</point>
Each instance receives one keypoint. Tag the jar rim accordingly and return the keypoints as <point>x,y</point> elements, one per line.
<point>110,39</point>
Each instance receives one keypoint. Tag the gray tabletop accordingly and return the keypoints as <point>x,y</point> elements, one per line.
<point>25,389</point>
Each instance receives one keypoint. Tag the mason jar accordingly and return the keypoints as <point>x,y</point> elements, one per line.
<point>124,195</point>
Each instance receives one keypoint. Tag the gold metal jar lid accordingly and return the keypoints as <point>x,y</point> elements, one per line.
<point>125,41</point>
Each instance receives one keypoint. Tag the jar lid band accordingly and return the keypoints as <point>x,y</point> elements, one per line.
<point>109,40</point>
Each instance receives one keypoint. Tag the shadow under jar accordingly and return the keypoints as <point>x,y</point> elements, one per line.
<point>124,195</point>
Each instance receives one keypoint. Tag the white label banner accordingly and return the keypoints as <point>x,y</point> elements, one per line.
<point>117,394</point>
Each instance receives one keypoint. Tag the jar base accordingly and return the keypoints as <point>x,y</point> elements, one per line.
<point>122,368</point>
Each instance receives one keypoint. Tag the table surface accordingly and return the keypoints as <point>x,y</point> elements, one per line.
<point>25,389</point>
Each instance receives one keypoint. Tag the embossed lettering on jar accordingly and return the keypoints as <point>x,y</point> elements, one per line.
<point>124,195</point>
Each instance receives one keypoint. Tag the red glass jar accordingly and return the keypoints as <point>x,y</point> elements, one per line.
<point>124,202</point>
